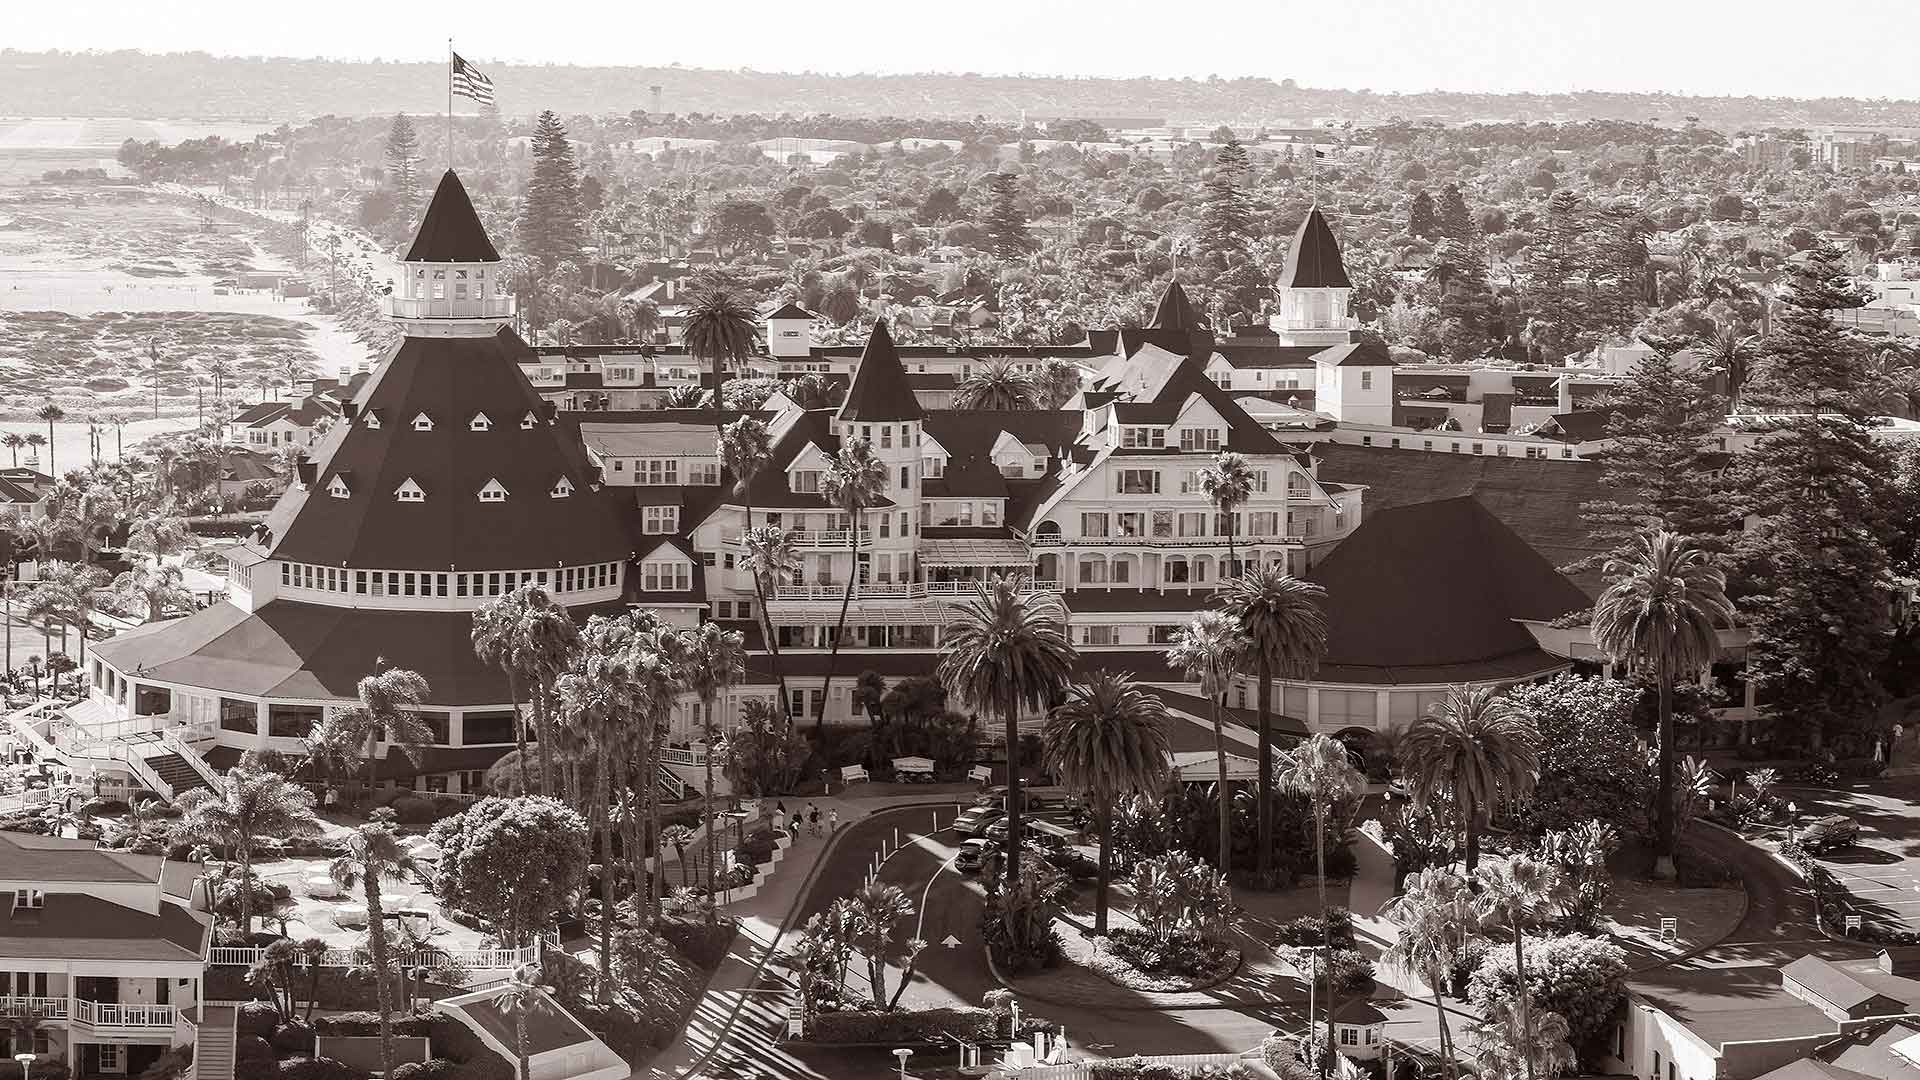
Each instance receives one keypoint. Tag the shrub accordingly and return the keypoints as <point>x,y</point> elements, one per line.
<point>1190,956</point>
<point>293,1037</point>
<point>705,946</point>
<point>42,1070</point>
<point>758,849</point>
<point>924,1026</point>
<point>253,1059</point>
<point>1306,930</point>
<point>1581,978</point>
<point>168,1066</point>
<point>266,896</point>
<point>416,810</point>
<point>1349,972</point>
<point>108,807</point>
<point>368,1023</point>
<point>257,1018</point>
<point>322,1068</point>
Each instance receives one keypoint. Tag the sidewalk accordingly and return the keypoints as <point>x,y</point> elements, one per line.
<point>744,1007</point>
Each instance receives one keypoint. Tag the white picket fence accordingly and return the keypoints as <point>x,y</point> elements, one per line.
<point>1186,1064</point>
<point>471,959</point>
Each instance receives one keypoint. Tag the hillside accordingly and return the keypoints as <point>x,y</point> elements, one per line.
<point>197,85</point>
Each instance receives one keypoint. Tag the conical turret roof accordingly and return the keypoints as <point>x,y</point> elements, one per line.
<point>1313,262</point>
<point>451,231</point>
<point>880,392</point>
<point>453,415</point>
<point>1175,311</point>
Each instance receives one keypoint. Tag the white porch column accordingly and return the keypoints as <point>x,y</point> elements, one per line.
<point>1313,708</point>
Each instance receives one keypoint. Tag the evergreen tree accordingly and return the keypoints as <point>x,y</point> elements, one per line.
<point>1556,280</point>
<point>1616,262</point>
<point>1658,463</point>
<point>1422,221</point>
<point>1816,489</point>
<point>1226,222</point>
<point>1006,223</point>
<point>1465,300</point>
<point>550,227</point>
<point>403,163</point>
<point>1456,222</point>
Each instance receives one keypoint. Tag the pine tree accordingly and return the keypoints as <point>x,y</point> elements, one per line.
<point>1616,259</point>
<point>1456,222</point>
<point>1658,462</point>
<point>403,164</point>
<point>550,227</point>
<point>1226,222</point>
<point>1815,488</point>
<point>1006,223</point>
<point>1465,299</point>
<point>1556,287</point>
<point>1421,219</point>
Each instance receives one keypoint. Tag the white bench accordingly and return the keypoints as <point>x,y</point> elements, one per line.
<point>852,773</point>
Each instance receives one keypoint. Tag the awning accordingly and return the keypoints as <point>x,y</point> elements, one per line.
<point>974,553</point>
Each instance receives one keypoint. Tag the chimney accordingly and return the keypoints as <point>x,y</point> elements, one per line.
<point>307,471</point>
<point>346,373</point>
<point>349,410</point>
<point>549,410</point>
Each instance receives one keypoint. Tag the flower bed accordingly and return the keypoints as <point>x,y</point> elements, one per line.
<point>1139,960</point>
<point>904,1027</point>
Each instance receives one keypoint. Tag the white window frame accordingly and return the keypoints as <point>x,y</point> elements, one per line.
<point>423,422</point>
<point>480,423</point>
<point>409,491</point>
<point>493,491</point>
<point>562,488</point>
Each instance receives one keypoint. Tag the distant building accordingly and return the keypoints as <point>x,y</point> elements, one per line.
<point>1767,153</point>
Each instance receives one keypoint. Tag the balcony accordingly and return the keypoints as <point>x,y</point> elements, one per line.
<point>47,1008</point>
<point>1160,541</point>
<point>492,307</point>
<point>837,539</point>
<point>101,1015</point>
<point>897,590</point>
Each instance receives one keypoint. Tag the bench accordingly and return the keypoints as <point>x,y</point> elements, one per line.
<point>852,773</point>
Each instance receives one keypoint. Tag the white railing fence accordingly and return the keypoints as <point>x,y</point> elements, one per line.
<point>114,1014</point>
<point>472,959</point>
<point>49,1008</point>
<point>1185,1064</point>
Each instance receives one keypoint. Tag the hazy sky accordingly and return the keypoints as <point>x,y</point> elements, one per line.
<point>1764,47</point>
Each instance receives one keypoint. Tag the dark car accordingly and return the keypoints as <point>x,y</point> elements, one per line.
<point>974,822</point>
<point>972,854</point>
<point>1829,833</point>
<point>1041,839</point>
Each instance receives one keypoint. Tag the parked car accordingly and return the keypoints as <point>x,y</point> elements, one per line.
<point>1037,838</point>
<point>1031,797</point>
<point>973,822</point>
<point>1829,833</point>
<point>972,854</point>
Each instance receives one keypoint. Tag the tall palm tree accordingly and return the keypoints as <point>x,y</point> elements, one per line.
<point>1661,614</point>
<point>532,639</point>
<point>1321,771</point>
<point>1210,649</point>
<point>13,441</point>
<point>745,449</point>
<point>156,588</point>
<point>1229,482</point>
<point>1517,894</point>
<point>1004,651</point>
<point>1436,917</point>
<point>595,699</point>
<point>1108,740</point>
<point>119,422</point>
<point>853,480</point>
<point>1476,747</point>
<point>713,660</point>
<point>997,387</point>
<point>374,855</point>
<point>768,555</point>
<point>720,327</point>
<point>520,996</point>
<point>52,414</point>
<point>1285,624</point>
<point>253,804</point>
<point>381,713</point>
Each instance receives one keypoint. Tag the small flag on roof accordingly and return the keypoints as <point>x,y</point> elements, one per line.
<point>469,83</point>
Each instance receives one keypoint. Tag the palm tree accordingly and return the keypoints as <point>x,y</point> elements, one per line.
<point>519,997</point>
<point>52,414</point>
<point>13,441</point>
<point>713,660</point>
<point>1056,382</point>
<point>767,553</point>
<point>374,855</point>
<point>683,397</point>
<point>1436,918</point>
<point>745,449</point>
<point>494,625</point>
<point>880,912</point>
<point>381,714</point>
<point>527,630</point>
<point>1321,771</point>
<point>1285,624</point>
<point>1108,740</point>
<point>854,480</point>
<point>253,804</point>
<point>639,319</point>
<point>1517,894</point>
<point>155,587</point>
<point>719,328</point>
<point>1004,651</point>
<point>595,701</point>
<point>1229,482</point>
<point>1478,748</point>
<point>1661,614</point>
<point>1210,649</point>
<point>35,441</point>
<point>119,422</point>
<point>996,387</point>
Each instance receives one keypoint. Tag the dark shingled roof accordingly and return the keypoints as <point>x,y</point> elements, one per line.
<point>1175,311</point>
<point>880,392</point>
<point>1313,261</point>
<point>451,231</point>
<point>791,310</point>
<point>77,926</point>
<point>1429,593</point>
<point>450,380</point>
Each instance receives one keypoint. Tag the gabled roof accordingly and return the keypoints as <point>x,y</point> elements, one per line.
<point>1175,311</point>
<point>880,392</point>
<point>791,310</point>
<point>451,231</point>
<point>1430,593</point>
<point>1313,260</point>
<point>79,926</point>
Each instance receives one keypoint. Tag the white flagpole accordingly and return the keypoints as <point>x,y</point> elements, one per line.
<point>449,104</point>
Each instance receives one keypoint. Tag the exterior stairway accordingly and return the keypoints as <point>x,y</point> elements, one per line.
<point>179,775</point>
<point>213,1048</point>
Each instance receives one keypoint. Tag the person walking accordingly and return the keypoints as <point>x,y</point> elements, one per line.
<point>779,819</point>
<point>813,819</point>
<point>833,821</point>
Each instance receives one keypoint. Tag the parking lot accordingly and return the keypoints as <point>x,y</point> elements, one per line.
<point>1883,868</point>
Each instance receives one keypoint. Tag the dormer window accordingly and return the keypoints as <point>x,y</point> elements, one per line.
<point>29,899</point>
<point>805,480</point>
<point>408,491</point>
<point>527,422</point>
<point>493,492</point>
<point>933,467</point>
<point>562,489</point>
<point>1143,438</point>
<point>372,420</point>
<point>480,423</point>
<point>337,487</point>
<point>1200,440</point>
<point>423,422</point>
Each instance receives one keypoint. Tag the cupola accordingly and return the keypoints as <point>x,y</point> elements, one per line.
<point>451,284</point>
<point>1313,289</point>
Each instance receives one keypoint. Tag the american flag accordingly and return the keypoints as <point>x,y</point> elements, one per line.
<point>469,83</point>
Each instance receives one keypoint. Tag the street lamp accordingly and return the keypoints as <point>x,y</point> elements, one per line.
<point>903,1054</point>
<point>26,1063</point>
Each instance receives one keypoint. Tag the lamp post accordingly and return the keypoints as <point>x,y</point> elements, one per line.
<point>903,1054</point>
<point>26,1064</point>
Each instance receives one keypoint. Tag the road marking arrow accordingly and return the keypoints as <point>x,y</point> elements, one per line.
<point>951,942</point>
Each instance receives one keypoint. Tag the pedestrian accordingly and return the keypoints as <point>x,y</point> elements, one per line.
<point>813,819</point>
<point>779,819</point>
<point>833,821</point>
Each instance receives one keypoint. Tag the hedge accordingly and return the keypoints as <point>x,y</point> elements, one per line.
<point>923,1026</point>
<point>367,1023</point>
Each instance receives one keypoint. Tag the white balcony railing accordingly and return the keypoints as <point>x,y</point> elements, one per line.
<point>897,590</point>
<point>1161,541</point>
<point>47,1008</point>
<point>472,959</point>
<point>812,538</point>
<point>492,307</point>
<point>111,1014</point>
